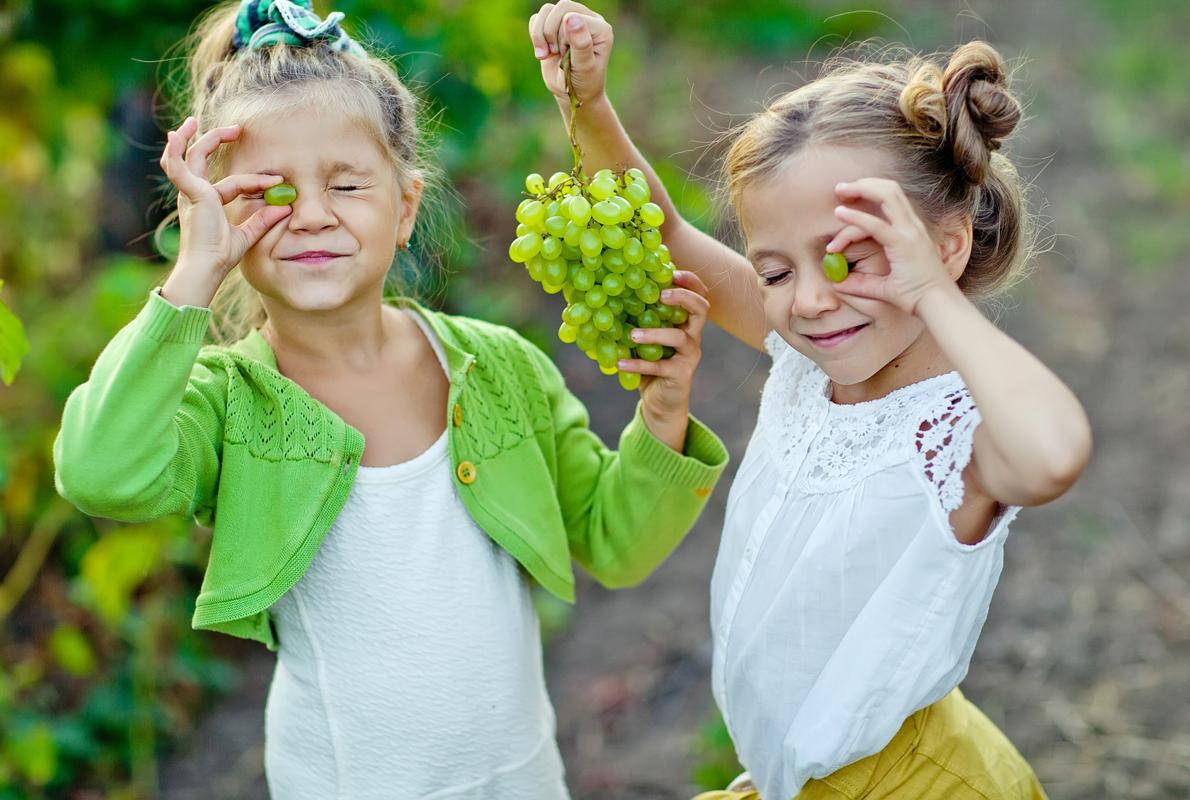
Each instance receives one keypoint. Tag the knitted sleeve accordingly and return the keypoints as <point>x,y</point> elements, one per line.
<point>625,510</point>
<point>142,437</point>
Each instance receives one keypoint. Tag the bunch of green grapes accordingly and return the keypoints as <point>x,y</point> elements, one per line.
<point>598,243</point>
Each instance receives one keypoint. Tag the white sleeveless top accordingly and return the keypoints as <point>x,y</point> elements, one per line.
<point>410,657</point>
<point>841,601</point>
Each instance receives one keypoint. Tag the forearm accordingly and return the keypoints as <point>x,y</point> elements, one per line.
<point>733,289</point>
<point>1035,439</point>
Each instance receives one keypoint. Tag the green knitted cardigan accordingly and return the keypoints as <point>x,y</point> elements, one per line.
<point>165,425</point>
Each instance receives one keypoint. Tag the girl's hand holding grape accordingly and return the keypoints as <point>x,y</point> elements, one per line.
<point>915,265</point>
<point>210,245</point>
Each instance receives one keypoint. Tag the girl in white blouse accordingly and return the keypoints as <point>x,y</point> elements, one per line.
<point>899,431</point>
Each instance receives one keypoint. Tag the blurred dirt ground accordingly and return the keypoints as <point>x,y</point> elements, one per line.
<point>1085,658</point>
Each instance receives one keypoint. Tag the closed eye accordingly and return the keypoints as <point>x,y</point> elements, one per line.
<point>773,280</point>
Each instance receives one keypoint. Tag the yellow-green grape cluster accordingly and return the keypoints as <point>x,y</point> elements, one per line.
<point>599,244</point>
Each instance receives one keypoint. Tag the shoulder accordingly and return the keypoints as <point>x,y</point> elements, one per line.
<point>499,350</point>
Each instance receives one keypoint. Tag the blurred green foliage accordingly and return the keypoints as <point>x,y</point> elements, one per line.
<point>1139,92</point>
<point>99,669</point>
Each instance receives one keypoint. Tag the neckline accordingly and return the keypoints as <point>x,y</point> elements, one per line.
<point>404,470</point>
<point>844,409</point>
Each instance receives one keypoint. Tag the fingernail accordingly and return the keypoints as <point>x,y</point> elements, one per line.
<point>667,295</point>
<point>622,364</point>
<point>574,22</point>
<point>553,47</point>
<point>637,335</point>
<point>540,52</point>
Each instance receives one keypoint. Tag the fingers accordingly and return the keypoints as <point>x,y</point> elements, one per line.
<point>872,225</point>
<point>578,37</point>
<point>233,186</point>
<point>884,192</point>
<point>259,223</point>
<point>696,304</point>
<point>550,31</point>
<point>846,237</point>
<point>541,47</point>
<point>187,169</point>
<point>173,162</point>
<point>860,284</point>
<point>199,153</point>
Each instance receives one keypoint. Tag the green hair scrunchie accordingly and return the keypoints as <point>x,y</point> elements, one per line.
<point>262,23</point>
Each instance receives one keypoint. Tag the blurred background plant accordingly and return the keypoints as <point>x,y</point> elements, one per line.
<point>100,674</point>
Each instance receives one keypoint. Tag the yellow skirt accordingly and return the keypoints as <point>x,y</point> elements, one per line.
<point>947,751</point>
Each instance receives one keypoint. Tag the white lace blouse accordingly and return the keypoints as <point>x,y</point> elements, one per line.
<point>841,601</point>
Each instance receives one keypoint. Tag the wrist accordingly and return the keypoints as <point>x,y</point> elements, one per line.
<point>189,285</point>
<point>938,298</point>
<point>667,426</point>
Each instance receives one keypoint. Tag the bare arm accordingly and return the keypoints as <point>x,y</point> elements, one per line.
<point>734,291</point>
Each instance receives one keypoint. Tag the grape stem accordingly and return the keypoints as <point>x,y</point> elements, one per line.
<point>575,104</point>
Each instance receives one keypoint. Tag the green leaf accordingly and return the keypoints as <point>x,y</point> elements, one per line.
<point>72,650</point>
<point>13,344</point>
<point>116,565</point>
<point>33,753</point>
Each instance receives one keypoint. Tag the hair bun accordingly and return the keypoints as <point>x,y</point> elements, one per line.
<point>980,109</point>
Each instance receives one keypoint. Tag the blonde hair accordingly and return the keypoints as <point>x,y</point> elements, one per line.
<point>220,85</point>
<point>942,129</point>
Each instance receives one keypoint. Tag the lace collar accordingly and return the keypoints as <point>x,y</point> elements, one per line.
<point>829,445</point>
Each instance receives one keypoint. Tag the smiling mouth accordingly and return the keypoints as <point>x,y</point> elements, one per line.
<point>314,258</point>
<point>830,340</point>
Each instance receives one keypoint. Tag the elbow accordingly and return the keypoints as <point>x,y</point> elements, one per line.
<point>1061,469</point>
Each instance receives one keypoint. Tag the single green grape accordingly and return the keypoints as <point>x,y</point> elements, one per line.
<point>650,352</point>
<point>649,319</point>
<point>534,183</point>
<point>567,333</point>
<point>555,273</point>
<point>637,193</point>
<point>590,243</point>
<point>652,215</point>
<point>584,279</point>
<point>630,380</point>
<point>580,210</point>
<point>597,298</point>
<point>626,210</point>
<point>649,293</point>
<point>614,285</point>
<point>602,318</point>
<point>613,236</point>
<point>634,251</point>
<point>614,261</point>
<point>606,212</point>
<point>679,316</point>
<point>283,194</point>
<point>602,188</point>
<point>556,226</point>
<point>835,267</point>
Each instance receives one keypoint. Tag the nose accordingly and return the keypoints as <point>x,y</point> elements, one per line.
<point>813,294</point>
<point>311,212</point>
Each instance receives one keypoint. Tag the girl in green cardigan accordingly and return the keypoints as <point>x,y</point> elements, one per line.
<point>381,479</point>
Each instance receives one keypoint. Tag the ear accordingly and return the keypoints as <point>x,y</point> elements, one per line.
<point>955,246</point>
<point>410,201</point>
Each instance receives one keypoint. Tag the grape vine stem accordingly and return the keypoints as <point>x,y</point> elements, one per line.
<point>575,105</point>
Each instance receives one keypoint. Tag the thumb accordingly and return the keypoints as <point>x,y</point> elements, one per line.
<point>259,223</point>
<point>582,50</point>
